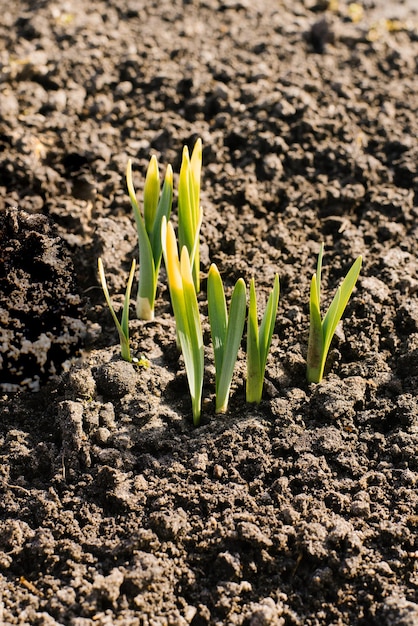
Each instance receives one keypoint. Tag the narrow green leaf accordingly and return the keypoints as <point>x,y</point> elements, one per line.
<point>147,281</point>
<point>186,231</point>
<point>189,211</point>
<point>322,332</point>
<point>131,189</point>
<point>318,274</point>
<point>315,341</point>
<point>107,295</point>
<point>196,168</point>
<point>172,264</point>
<point>218,316</point>
<point>151,194</point>
<point>268,323</point>
<point>235,328</point>
<point>195,175</point>
<point>125,312</point>
<point>253,393</point>
<point>259,341</point>
<point>195,253</point>
<point>122,328</point>
<point>186,313</point>
<point>163,210</point>
<point>175,283</point>
<point>195,368</point>
<point>338,305</point>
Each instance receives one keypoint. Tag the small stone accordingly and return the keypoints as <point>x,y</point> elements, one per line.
<point>81,381</point>
<point>360,508</point>
<point>102,435</point>
<point>116,379</point>
<point>218,471</point>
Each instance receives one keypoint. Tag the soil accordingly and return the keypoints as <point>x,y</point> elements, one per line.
<point>114,508</point>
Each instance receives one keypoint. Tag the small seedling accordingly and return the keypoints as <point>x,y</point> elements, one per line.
<point>189,209</point>
<point>156,206</point>
<point>321,331</point>
<point>226,332</point>
<point>259,341</point>
<point>186,313</point>
<point>140,362</point>
<point>123,325</point>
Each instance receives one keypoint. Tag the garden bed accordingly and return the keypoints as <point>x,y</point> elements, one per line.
<point>114,508</point>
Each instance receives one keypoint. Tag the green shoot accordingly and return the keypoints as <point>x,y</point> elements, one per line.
<point>259,340</point>
<point>123,325</point>
<point>321,332</point>
<point>190,212</point>
<point>186,313</point>
<point>156,206</point>
<point>226,332</point>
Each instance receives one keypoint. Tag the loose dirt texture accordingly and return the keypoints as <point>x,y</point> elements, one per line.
<point>114,509</point>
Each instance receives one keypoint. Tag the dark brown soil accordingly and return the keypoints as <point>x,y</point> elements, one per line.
<point>114,509</point>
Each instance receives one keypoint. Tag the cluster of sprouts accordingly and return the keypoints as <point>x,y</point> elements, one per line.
<point>157,239</point>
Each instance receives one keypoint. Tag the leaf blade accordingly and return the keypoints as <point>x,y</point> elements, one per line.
<point>151,193</point>
<point>123,329</point>
<point>195,366</point>
<point>234,331</point>
<point>147,281</point>
<point>186,313</point>
<point>268,323</point>
<point>218,316</point>
<point>163,210</point>
<point>315,341</point>
<point>259,340</point>
<point>189,211</point>
<point>339,304</point>
<point>321,331</point>
<point>253,350</point>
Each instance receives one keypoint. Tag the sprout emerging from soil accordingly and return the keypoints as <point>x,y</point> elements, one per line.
<point>156,206</point>
<point>226,332</point>
<point>189,209</point>
<point>259,340</point>
<point>123,325</point>
<point>186,313</point>
<point>157,238</point>
<point>322,331</point>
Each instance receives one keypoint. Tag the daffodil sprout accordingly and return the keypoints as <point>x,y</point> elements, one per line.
<point>226,332</point>
<point>259,341</point>
<point>123,325</point>
<point>156,206</point>
<point>186,314</point>
<point>322,331</point>
<point>189,209</point>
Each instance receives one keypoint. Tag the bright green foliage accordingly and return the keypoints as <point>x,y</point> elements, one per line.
<point>226,332</point>
<point>156,237</point>
<point>321,332</point>
<point>186,313</point>
<point>123,325</point>
<point>156,206</point>
<point>259,340</point>
<point>189,210</point>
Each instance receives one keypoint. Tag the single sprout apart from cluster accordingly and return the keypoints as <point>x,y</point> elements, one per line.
<point>189,209</point>
<point>123,325</point>
<point>322,331</point>
<point>259,341</point>
<point>226,332</point>
<point>156,206</point>
<point>186,314</point>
